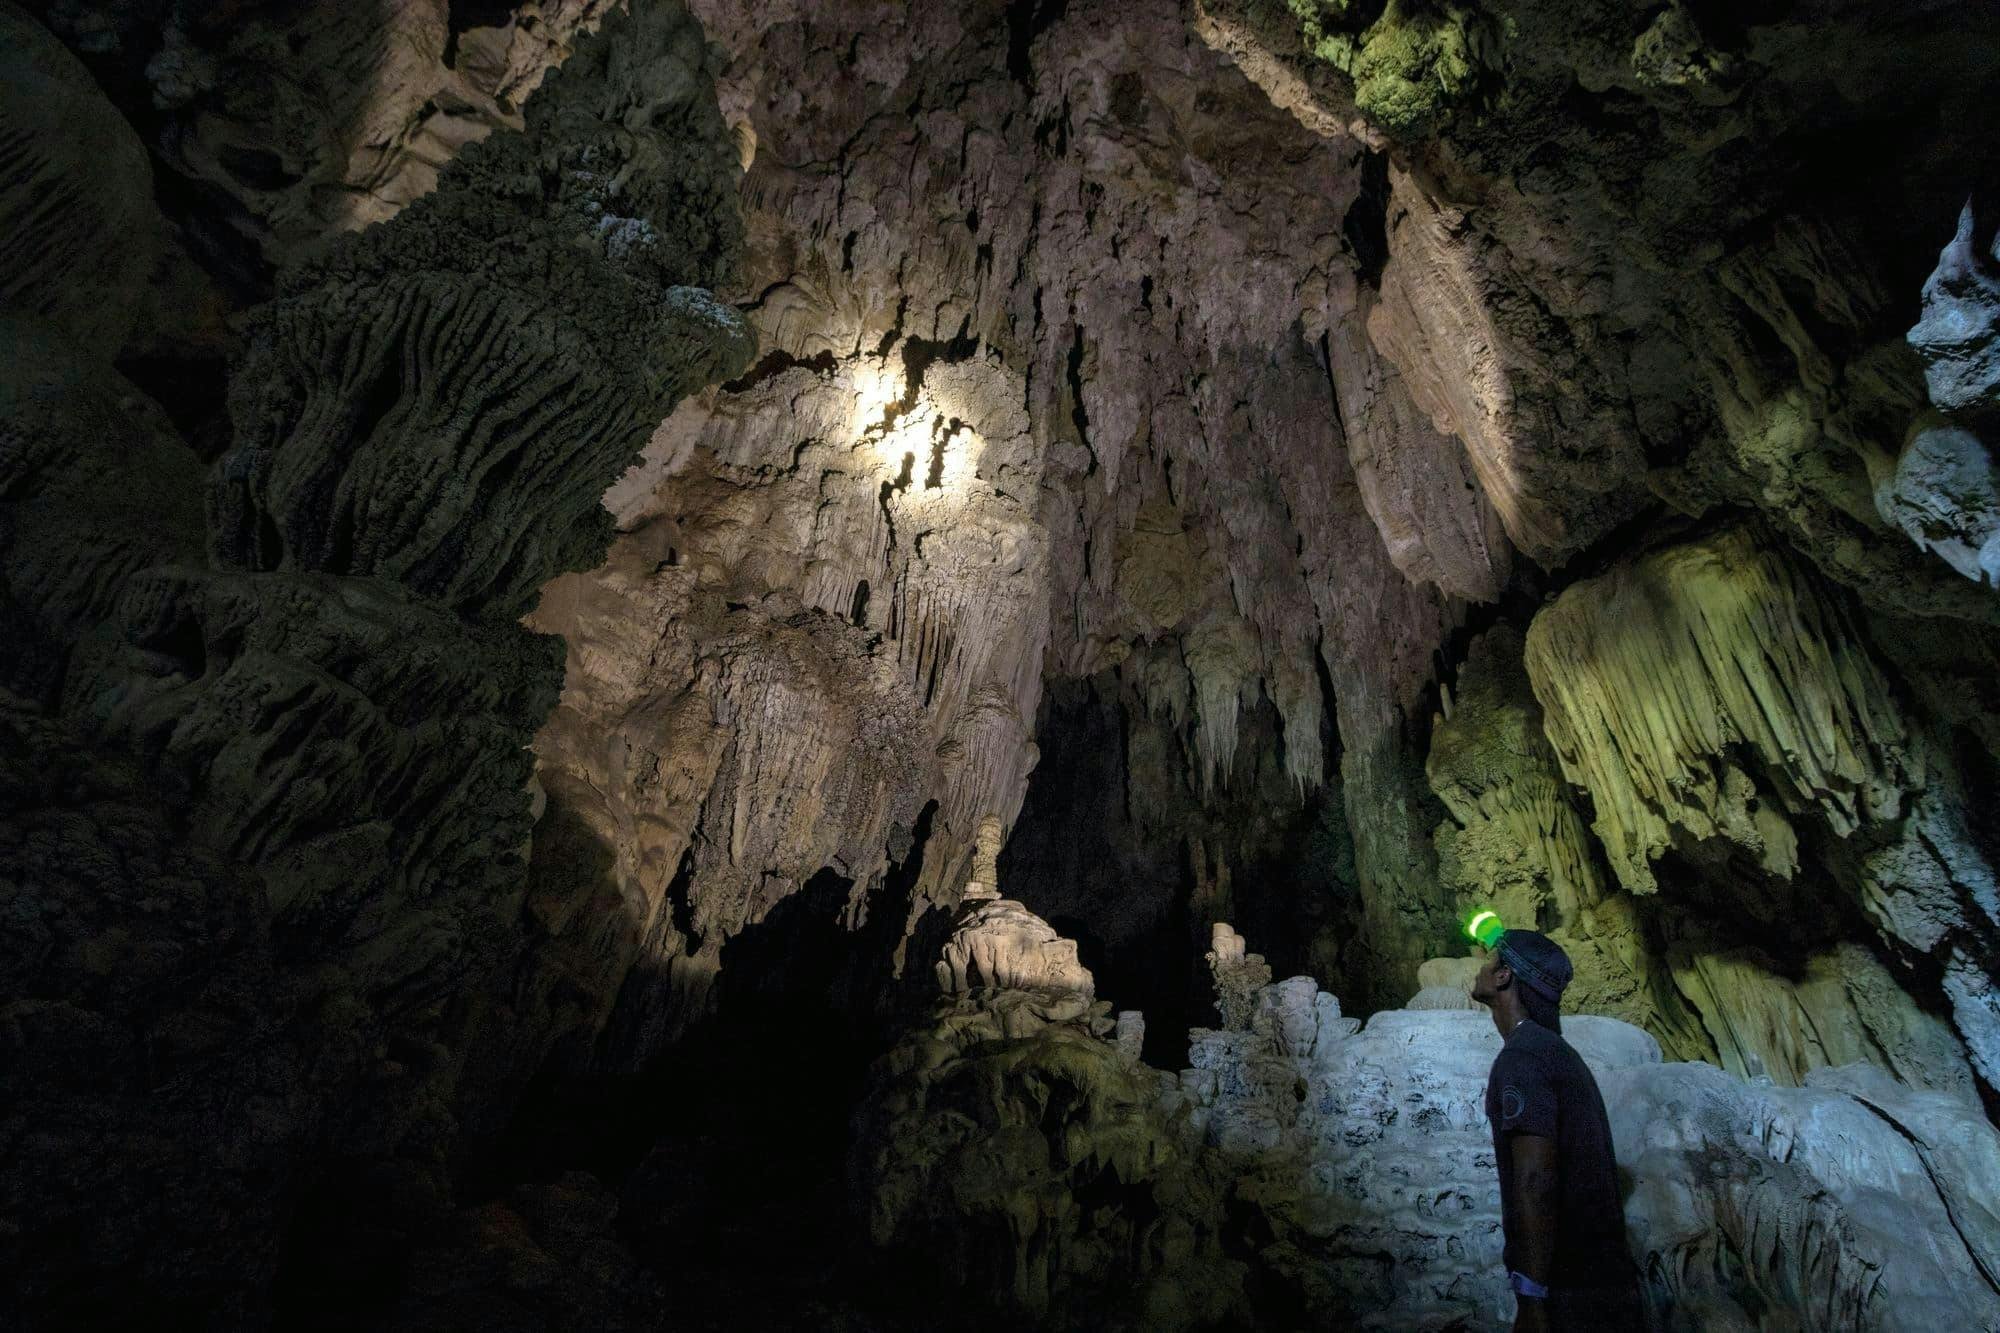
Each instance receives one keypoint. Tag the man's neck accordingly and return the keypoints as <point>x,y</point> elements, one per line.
<point>1507,1017</point>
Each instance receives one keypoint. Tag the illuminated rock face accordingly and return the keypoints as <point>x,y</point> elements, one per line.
<point>1037,418</point>
<point>1716,704</point>
<point>1360,1158</point>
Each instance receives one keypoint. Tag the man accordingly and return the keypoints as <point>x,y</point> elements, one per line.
<point>1566,1257</point>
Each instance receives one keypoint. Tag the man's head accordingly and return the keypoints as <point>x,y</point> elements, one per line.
<point>1524,977</point>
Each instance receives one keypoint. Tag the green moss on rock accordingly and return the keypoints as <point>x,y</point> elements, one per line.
<point>1413,64</point>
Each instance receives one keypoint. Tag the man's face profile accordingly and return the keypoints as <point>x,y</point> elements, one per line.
<point>1486,986</point>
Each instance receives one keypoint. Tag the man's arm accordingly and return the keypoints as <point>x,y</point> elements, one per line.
<point>1533,1209</point>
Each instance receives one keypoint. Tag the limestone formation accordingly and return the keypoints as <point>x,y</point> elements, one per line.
<point>1364,1157</point>
<point>1239,977</point>
<point>318,119</point>
<point>1715,702</point>
<point>551,550</point>
<point>1654,676</point>
<point>1529,237</point>
<point>1001,945</point>
<point>985,881</point>
<point>523,373</point>
<point>966,390</point>
<point>76,193</point>
<point>1855,1201</point>
<point>1958,337</point>
<point>274,806</point>
<point>1942,493</point>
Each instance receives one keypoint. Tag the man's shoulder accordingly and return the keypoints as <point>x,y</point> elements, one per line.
<point>1518,1059</point>
<point>1532,1041</point>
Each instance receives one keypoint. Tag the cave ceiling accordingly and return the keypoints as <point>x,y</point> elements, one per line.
<point>533,534</point>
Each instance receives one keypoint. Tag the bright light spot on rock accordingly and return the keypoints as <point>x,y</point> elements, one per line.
<point>919,447</point>
<point>874,390</point>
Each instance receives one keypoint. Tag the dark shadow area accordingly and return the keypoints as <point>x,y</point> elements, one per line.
<point>719,1166</point>
<point>1119,849</point>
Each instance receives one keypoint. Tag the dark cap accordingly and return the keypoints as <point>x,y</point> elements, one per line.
<point>1537,960</point>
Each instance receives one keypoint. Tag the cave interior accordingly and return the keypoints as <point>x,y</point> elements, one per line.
<point>747,664</point>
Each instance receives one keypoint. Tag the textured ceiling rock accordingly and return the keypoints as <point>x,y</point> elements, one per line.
<point>304,776</point>
<point>1945,496</point>
<point>1653,675</point>
<point>1717,703</point>
<point>321,118</point>
<point>1524,391</point>
<point>1626,266</point>
<point>1415,478</point>
<point>67,540</point>
<point>431,402</point>
<point>1050,388</point>
<point>76,193</point>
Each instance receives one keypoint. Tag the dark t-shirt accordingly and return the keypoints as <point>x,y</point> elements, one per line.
<point>1540,1085</point>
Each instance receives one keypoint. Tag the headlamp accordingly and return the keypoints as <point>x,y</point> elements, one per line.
<point>1485,928</point>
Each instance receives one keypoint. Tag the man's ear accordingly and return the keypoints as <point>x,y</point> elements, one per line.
<point>1503,976</point>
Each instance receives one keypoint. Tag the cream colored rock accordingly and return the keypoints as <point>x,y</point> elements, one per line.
<point>1240,976</point>
<point>1001,945</point>
<point>322,118</point>
<point>985,881</point>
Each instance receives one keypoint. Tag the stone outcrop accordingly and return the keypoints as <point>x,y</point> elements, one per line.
<point>1239,977</point>
<point>1942,493</point>
<point>318,119</point>
<point>1855,1201</point>
<point>78,202</point>
<point>1717,703</point>
<point>1364,1157</point>
<point>986,1129</point>
<point>273,806</point>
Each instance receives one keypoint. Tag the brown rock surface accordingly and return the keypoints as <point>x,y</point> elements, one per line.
<point>266,816</point>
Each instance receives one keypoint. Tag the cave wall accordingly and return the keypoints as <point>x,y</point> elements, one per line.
<point>1295,377</point>
<point>267,717</point>
<point>1139,348</point>
<point>1062,355</point>
<point>1626,274</point>
<point>1416,456</point>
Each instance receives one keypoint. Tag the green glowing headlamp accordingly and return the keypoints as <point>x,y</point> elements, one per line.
<point>1485,928</point>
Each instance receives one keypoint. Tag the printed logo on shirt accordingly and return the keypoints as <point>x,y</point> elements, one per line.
<point>1512,1103</point>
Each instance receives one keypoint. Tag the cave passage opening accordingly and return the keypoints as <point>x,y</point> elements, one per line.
<point>1119,847</point>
